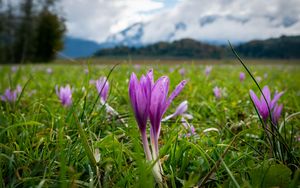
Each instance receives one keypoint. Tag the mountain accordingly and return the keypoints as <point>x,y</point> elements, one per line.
<point>76,47</point>
<point>284,47</point>
<point>131,36</point>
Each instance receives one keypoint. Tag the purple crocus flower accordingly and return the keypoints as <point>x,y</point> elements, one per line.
<point>191,131</point>
<point>242,76</point>
<point>137,66</point>
<point>180,111</point>
<point>9,95</point>
<point>159,104</point>
<point>151,100</point>
<point>208,70</point>
<point>262,104</point>
<point>258,79</point>
<point>65,95</point>
<point>217,92</point>
<point>189,127</point>
<point>14,68</point>
<point>49,70</point>
<point>86,71</point>
<point>18,89</point>
<point>102,86</point>
<point>276,113</point>
<point>182,71</point>
<point>140,93</point>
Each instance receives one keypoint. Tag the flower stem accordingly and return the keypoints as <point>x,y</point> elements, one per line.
<point>157,169</point>
<point>146,146</point>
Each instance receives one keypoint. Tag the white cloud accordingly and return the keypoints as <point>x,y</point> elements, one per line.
<point>232,20</point>
<point>97,19</point>
<point>235,20</point>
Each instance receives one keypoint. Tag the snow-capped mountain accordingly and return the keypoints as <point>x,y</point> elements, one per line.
<point>131,36</point>
<point>134,35</point>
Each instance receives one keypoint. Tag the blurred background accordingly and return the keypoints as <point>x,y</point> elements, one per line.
<point>47,30</point>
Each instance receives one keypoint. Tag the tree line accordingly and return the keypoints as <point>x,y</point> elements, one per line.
<point>284,47</point>
<point>30,31</point>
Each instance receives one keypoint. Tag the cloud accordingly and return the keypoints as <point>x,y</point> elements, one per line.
<point>235,20</point>
<point>97,19</point>
<point>224,20</point>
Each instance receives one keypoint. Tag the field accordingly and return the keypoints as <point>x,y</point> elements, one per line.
<point>46,144</point>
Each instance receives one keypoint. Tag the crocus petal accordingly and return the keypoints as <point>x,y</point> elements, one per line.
<point>275,99</point>
<point>135,98</point>
<point>168,117</point>
<point>265,106</point>
<point>3,98</point>
<point>179,111</point>
<point>267,94</point>
<point>158,103</point>
<point>187,116</point>
<point>8,94</point>
<point>181,108</point>
<point>182,71</point>
<point>192,129</point>
<point>102,86</point>
<point>260,106</point>
<point>133,82</point>
<point>217,92</point>
<point>146,86</point>
<point>151,77</point>
<point>142,106</point>
<point>208,70</point>
<point>255,99</point>
<point>276,113</point>
<point>174,94</point>
<point>140,93</point>
<point>19,89</point>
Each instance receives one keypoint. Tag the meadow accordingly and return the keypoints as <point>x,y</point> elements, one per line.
<point>225,144</point>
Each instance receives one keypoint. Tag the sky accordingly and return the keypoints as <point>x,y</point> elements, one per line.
<point>206,20</point>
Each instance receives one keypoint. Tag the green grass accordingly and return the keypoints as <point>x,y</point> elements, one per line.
<point>45,145</point>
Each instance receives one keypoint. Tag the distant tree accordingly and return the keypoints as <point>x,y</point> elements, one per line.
<point>7,32</point>
<point>49,39</point>
<point>25,33</point>
<point>30,30</point>
<point>10,29</point>
<point>2,45</point>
